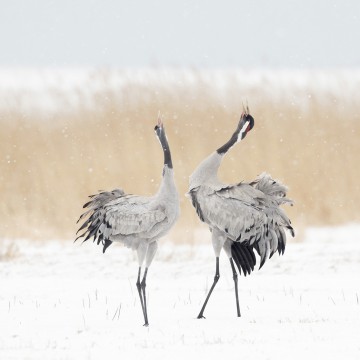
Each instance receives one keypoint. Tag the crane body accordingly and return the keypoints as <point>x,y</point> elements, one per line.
<point>243,218</point>
<point>138,222</point>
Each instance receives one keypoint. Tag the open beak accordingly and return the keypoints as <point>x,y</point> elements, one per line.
<point>246,110</point>
<point>160,123</point>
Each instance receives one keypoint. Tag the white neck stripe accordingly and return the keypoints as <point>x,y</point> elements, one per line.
<point>243,130</point>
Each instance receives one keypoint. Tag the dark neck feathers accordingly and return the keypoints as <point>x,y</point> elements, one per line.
<point>224,149</point>
<point>166,149</point>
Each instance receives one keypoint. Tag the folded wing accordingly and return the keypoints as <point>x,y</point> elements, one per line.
<point>248,213</point>
<point>114,215</point>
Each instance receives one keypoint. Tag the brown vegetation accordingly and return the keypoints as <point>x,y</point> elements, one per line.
<point>49,163</point>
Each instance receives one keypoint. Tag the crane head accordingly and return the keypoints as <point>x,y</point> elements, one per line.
<point>160,126</point>
<point>160,131</point>
<point>246,123</point>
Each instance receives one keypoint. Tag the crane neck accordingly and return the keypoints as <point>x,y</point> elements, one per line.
<point>167,157</point>
<point>245,124</point>
<point>222,150</point>
<point>166,149</point>
<point>206,172</point>
<point>167,186</point>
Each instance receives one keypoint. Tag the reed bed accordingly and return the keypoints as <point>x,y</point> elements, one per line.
<point>51,160</point>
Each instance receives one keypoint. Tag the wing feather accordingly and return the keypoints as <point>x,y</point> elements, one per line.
<point>138,220</point>
<point>239,217</point>
<point>247,213</point>
<point>113,214</point>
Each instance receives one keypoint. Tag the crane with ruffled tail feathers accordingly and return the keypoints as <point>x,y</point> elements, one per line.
<point>243,217</point>
<point>138,222</point>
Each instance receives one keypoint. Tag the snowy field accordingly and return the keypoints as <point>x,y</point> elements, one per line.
<point>61,300</point>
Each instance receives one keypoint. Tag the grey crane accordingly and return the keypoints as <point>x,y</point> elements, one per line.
<point>243,217</point>
<point>136,221</point>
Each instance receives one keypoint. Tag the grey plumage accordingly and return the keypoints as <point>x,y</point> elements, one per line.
<point>130,219</point>
<point>243,217</point>
<point>247,213</point>
<point>138,222</point>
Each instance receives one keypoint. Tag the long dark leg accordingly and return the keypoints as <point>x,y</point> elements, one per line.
<point>143,286</point>
<point>235,277</point>
<point>138,285</point>
<point>216,279</point>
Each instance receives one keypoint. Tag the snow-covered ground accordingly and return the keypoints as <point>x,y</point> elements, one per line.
<point>60,300</point>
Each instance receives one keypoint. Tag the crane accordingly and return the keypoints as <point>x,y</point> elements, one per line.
<point>243,217</point>
<point>138,222</point>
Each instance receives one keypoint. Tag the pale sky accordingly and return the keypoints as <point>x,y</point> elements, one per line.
<point>226,33</point>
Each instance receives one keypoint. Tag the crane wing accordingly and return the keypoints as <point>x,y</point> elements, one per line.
<point>231,211</point>
<point>114,214</point>
<point>247,213</point>
<point>131,215</point>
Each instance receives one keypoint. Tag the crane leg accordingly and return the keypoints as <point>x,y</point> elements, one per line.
<point>143,286</point>
<point>235,277</point>
<point>216,279</point>
<point>138,285</point>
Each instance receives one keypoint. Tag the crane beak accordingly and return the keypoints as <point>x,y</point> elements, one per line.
<point>246,110</point>
<point>160,123</point>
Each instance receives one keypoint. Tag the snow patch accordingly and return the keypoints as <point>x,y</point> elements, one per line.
<point>63,300</point>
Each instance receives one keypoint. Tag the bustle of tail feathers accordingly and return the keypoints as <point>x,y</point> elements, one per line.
<point>273,239</point>
<point>244,257</point>
<point>243,254</point>
<point>277,192</point>
<point>96,216</point>
<point>271,187</point>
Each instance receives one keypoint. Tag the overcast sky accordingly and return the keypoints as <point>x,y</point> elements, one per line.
<point>208,33</point>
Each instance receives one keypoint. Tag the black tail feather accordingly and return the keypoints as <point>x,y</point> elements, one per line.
<point>84,214</point>
<point>83,226</point>
<point>250,256</point>
<point>281,241</point>
<point>97,216</point>
<point>234,255</point>
<point>292,232</point>
<point>247,266</point>
<point>262,263</point>
<point>244,257</point>
<point>106,243</point>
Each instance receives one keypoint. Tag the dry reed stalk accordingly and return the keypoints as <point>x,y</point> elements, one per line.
<point>49,166</point>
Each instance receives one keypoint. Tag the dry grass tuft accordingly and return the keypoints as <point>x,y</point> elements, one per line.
<point>49,163</point>
<point>8,251</point>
